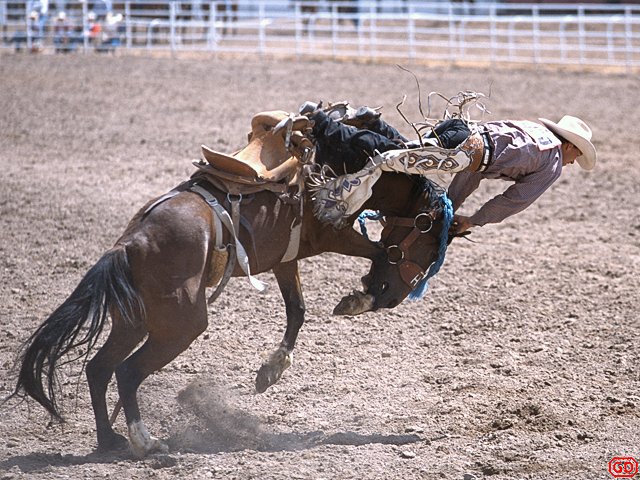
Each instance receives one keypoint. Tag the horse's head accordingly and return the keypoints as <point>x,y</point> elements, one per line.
<point>416,216</point>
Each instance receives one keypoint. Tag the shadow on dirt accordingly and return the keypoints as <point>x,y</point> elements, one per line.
<point>214,426</point>
<point>207,442</point>
<point>211,426</point>
<point>41,462</point>
<point>214,440</point>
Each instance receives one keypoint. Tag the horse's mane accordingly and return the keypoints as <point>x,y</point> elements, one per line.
<point>431,189</point>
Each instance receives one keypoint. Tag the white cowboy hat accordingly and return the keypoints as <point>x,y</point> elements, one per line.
<point>577,132</point>
<point>112,18</point>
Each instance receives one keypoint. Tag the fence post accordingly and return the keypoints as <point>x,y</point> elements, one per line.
<point>85,27</point>
<point>611,37</point>
<point>297,19</point>
<point>535,30</point>
<point>581,33</point>
<point>412,32</point>
<point>628,36</point>
<point>128,27</point>
<point>28,25</point>
<point>462,38</point>
<point>562,33</point>
<point>261,32</point>
<point>211,34</point>
<point>373,25</point>
<point>335,23</point>
<point>452,32</point>
<point>3,12</point>
<point>172,26</point>
<point>493,32</point>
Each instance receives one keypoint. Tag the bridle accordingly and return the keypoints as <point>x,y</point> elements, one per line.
<point>410,272</point>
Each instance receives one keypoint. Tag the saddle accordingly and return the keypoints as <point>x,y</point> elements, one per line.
<point>272,160</point>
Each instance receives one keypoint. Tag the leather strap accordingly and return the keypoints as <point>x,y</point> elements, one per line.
<point>411,273</point>
<point>228,271</point>
<point>294,244</point>
<point>223,215</point>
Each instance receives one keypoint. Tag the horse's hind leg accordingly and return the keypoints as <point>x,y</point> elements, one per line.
<point>288,279</point>
<point>172,328</point>
<point>122,340</point>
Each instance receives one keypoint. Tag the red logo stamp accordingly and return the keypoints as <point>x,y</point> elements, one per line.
<point>623,467</point>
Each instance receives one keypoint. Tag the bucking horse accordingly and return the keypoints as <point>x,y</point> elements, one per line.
<point>237,215</point>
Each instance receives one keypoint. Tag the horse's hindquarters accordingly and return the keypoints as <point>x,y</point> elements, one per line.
<point>169,247</point>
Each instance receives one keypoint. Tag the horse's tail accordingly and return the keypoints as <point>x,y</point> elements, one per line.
<point>78,322</point>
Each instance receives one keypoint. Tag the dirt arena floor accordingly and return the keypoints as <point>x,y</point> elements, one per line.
<point>521,362</point>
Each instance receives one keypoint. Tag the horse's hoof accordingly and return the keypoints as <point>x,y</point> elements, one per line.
<point>271,371</point>
<point>113,443</point>
<point>267,376</point>
<point>355,304</point>
<point>141,443</point>
<point>153,445</point>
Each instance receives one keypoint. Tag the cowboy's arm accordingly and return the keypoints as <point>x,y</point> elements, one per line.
<point>462,185</point>
<point>517,197</point>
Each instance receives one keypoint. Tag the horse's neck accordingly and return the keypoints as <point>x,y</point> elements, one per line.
<point>393,193</point>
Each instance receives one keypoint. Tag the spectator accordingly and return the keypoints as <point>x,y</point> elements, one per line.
<point>21,38</point>
<point>111,33</point>
<point>41,8</point>
<point>63,40</point>
<point>94,32</point>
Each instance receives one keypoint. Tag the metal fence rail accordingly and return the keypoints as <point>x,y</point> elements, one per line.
<point>574,34</point>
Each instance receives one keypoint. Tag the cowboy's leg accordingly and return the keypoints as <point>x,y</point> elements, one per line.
<point>344,148</point>
<point>453,153</point>
<point>383,128</point>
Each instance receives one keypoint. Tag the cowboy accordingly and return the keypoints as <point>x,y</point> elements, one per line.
<point>530,154</point>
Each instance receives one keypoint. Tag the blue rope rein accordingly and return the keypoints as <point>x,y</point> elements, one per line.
<point>367,215</point>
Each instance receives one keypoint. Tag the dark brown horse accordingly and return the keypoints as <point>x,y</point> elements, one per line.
<point>153,281</point>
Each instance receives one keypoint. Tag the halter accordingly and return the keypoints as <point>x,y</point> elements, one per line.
<point>410,272</point>
<point>422,223</point>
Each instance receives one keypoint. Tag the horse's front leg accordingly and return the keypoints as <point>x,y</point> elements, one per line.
<point>289,282</point>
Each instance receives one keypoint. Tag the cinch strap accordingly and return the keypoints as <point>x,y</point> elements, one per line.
<point>223,216</point>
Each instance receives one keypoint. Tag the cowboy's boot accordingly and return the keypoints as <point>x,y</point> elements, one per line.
<point>364,117</point>
<point>308,107</point>
<point>360,118</point>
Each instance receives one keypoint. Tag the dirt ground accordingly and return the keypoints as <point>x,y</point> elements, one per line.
<point>521,362</point>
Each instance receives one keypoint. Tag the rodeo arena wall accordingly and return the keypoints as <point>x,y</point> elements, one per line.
<point>583,34</point>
